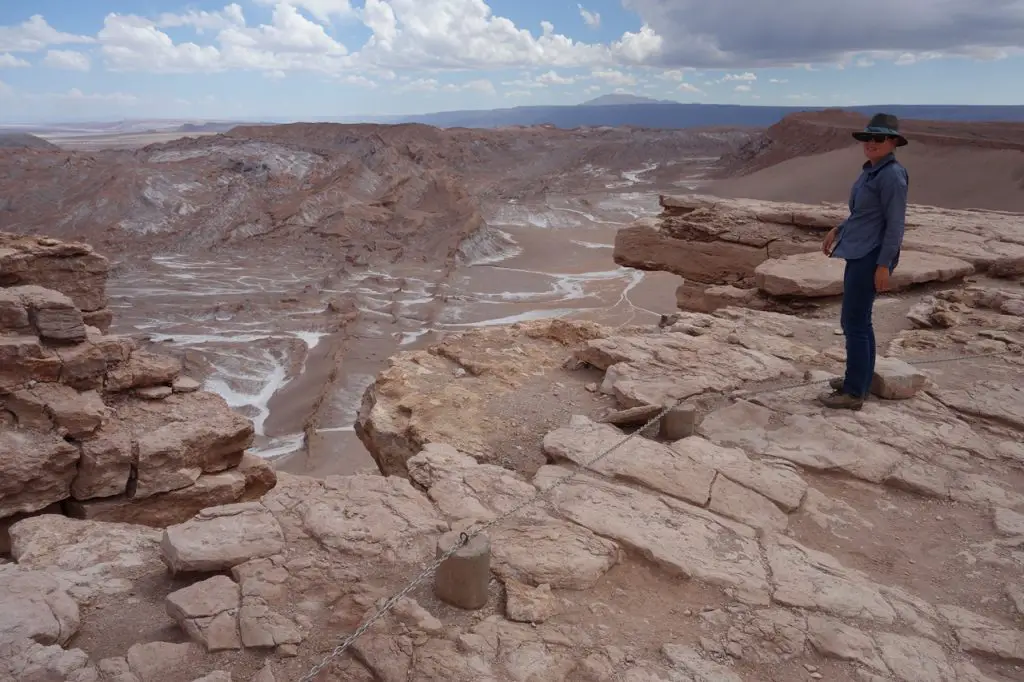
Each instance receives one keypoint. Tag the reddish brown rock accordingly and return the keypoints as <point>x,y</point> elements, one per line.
<point>183,436</point>
<point>142,370</point>
<point>36,470</point>
<point>24,359</point>
<point>53,405</point>
<point>106,463</point>
<point>249,481</point>
<point>72,269</point>
<point>85,364</point>
<point>13,315</point>
<point>51,314</point>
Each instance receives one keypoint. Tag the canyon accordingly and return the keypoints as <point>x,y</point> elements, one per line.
<point>242,417</point>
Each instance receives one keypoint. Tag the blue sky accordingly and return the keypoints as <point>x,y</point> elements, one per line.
<point>302,59</point>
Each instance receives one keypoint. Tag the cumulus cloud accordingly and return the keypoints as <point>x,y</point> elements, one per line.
<point>591,19</point>
<point>742,88</point>
<point>204,21</point>
<point>613,77</point>
<point>321,10</point>
<point>758,34</point>
<point>552,78</point>
<point>688,87</point>
<point>458,34</point>
<point>9,61</point>
<point>34,35</point>
<point>67,59</point>
<point>131,43</point>
<point>739,77</point>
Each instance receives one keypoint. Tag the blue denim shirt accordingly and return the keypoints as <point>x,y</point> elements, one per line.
<point>878,211</point>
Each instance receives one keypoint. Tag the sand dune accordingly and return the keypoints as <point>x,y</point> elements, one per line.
<point>949,176</point>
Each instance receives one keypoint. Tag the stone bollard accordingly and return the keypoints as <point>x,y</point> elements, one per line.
<point>679,422</point>
<point>462,579</point>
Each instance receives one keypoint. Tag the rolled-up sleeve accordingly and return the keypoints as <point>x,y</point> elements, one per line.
<point>894,205</point>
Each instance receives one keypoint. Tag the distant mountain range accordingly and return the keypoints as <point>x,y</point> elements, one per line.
<point>600,112</point>
<point>613,110</point>
<point>621,98</point>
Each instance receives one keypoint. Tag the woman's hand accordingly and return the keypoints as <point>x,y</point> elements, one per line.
<point>881,278</point>
<point>830,240</point>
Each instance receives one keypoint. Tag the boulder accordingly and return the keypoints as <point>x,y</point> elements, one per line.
<point>51,314</point>
<point>25,660</point>
<point>88,557</point>
<point>526,604</point>
<point>36,470</point>
<point>220,538</point>
<point>13,314</point>
<point>181,437</point>
<point>73,269</point>
<point>33,605</point>
<point>895,379</point>
<point>142,370</point>
<point>207,612</point>
<point>812,275</point>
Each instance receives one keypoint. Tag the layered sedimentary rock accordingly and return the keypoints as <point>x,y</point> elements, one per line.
<point>747,252</point>
<point>94,423</point>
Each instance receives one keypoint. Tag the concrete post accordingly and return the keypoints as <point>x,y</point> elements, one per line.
<point>679,422</point>
<point>462,579</point>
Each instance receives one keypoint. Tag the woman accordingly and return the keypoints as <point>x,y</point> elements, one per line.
<point>869,240</point>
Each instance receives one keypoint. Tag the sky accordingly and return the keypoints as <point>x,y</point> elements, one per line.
<point>64,60</point>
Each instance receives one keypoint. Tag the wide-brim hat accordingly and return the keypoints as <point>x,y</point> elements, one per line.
<point>882,124</point>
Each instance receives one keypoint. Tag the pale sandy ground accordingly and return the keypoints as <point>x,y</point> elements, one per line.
<point>950,177</point>
<point>115,140</point>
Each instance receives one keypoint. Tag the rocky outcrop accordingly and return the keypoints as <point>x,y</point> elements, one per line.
<point>52,278</point>
<point>80,423</point>
<point>748,252</point>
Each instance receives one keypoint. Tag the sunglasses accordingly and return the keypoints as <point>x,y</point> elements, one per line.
<point>877,138</point>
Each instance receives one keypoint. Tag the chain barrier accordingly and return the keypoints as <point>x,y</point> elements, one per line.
<point>465,537</point>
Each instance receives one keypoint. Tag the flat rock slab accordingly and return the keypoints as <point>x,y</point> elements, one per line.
<point>682,538</point>
<point>220,538</point>
<point>813,275</point>
<point>463,489</point>
<point>810,441</point>
<point>641,460</point>
<point>33,605</point>
<point>809,579</point>
<point>207,612</point>
<point>780,484</point>
<point>90,557</point>
<point>554,552</point>
<point>989,400</point>
<point>656,369</point>
<point>373,517</point>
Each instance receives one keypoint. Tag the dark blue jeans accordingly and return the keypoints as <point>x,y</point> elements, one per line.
<point>858,303</point>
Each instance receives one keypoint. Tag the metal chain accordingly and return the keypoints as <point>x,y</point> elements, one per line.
<point>465,538</point>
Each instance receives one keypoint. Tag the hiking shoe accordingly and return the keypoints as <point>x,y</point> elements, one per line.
<point>837,400</point>
<point>836,383</point>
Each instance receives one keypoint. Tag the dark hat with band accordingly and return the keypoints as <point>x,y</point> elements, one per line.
<point>882,124</point>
